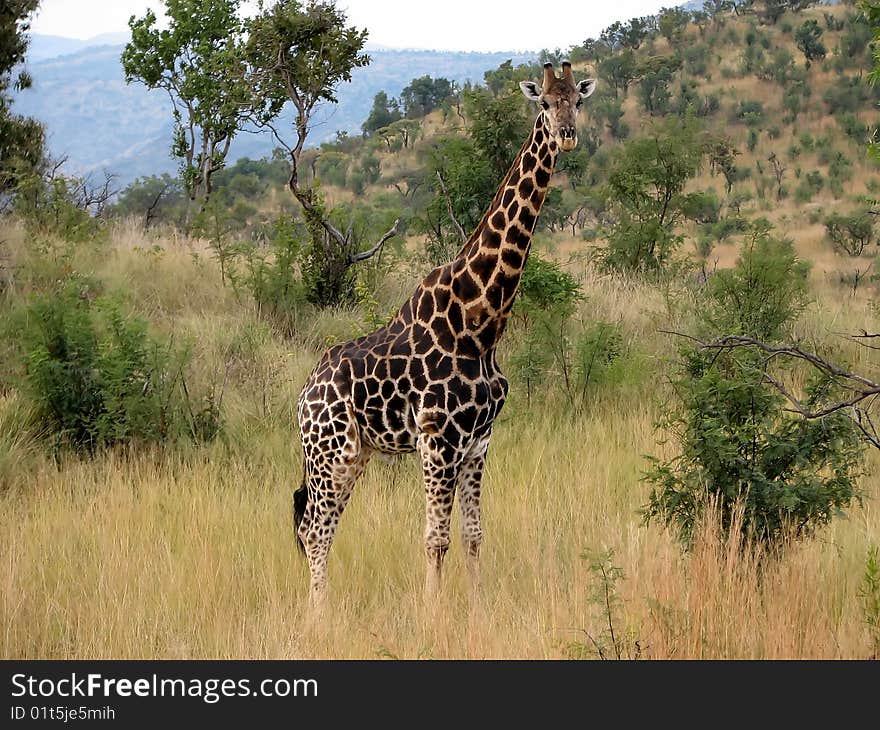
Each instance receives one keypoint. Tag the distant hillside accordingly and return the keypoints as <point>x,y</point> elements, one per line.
<point>101,123</point>
<point>43,47</point>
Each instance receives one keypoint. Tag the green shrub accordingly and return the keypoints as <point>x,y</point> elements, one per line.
<point>97,378</point>
<point>703,206</point>
<point>774,475</point>
<point>811,184</point>
<point>272,277</point>
<point>57,206</point>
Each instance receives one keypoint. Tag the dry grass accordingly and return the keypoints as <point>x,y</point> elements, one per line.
<point>190,553</point>
<point>149,556</point>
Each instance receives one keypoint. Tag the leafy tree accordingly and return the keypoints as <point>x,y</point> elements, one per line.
<point>153,198</point>
<point>299,54</point>
<point>871,11</point>
<point>809,39</point>
<point>498,126</point>
<point>406,130</point>
<point>629,34</point>
<point>852,233</point>
<point>609,110</point>
<point>424,94</point>
<point>383,113</point>
<point>198,62</point>
<point>506,78</point>
<point>722,157</point>
<point>21,138</point>
<point>645,195</point>
<point>672,22</point>
<point>620,70</point>
<point>773,475</point>
<point>463,183</point>
<point>654,91</point>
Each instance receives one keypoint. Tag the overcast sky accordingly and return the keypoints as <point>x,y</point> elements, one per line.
<point>461,25</point>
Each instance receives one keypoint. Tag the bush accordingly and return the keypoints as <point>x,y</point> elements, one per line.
<point>702,207</point>
<point>773,475</point>
<point>810,185</point>
<point>97,378</point>
<point>58,205</point>
<point>850,234</point>
<point>272,277</point>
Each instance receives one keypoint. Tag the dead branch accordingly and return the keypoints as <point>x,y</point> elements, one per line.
<point>151,209</point>
<point>864,392</point>
<point>364,255</point>
<point>458,227</point>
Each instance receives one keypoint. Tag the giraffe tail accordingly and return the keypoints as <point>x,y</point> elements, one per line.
<point>300,502</point>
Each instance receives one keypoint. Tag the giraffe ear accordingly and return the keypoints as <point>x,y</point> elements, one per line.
<point>530,90</point>
<point>586,87</point>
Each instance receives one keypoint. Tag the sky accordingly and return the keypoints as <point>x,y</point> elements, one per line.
<point>456,25</point>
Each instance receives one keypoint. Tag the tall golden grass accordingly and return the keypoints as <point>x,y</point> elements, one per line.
<point>189,552</point>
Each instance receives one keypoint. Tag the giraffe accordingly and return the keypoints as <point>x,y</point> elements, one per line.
<point>428,381</point>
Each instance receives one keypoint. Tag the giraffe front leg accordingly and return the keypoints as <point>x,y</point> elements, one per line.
<point>440,475</point>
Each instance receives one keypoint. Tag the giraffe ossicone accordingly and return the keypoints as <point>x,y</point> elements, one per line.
<point>428,381</point>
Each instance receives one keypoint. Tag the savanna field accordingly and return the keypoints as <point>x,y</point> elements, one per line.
<point>185,549</point>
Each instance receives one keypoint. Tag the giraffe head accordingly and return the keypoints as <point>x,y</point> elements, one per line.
<point>560,99</point>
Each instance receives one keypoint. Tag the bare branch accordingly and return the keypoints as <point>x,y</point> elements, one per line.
<point>862,389</point>
<point>733,341</point>
<point>458,227</point>
<point>364,255</point>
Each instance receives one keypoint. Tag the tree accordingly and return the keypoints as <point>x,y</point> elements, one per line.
<point>198,62</point>
<point>21,138</point>
<point>654,90</point>
<point>850,234</point>
<point>871,11</point>
<point>406,130</point>
<point>645,195</point>
<point>299,54</point>
<point>620,70</point>
<point>716,10</point>
<point>424,94</point>
<point>151,198</point>
<point>463,183</point>
<point>383,113</point>
<point>809,39</point>
<point>498,126</point>
<point>629,34</point>
<point>672,22</point>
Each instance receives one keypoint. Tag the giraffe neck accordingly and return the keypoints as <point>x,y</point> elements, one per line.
<point>487,271</point>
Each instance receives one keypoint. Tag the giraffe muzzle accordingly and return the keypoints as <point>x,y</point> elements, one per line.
<point>568,138</point>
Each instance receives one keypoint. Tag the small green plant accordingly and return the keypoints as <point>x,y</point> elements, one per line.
<point>614,640</point>
<point>272,277</point>
<point>869,593</point>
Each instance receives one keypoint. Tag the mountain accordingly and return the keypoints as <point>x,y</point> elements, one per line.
<point>103,124</point>
<point>43,47</point>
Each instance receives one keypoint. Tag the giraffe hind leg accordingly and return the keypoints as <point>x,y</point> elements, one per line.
<point>470,480</point>
<point>333,464</point>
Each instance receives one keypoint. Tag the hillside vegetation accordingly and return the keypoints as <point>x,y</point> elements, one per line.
<point>152,356</point>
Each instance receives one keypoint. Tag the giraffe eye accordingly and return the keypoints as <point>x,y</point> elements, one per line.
<point>545,104</point>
